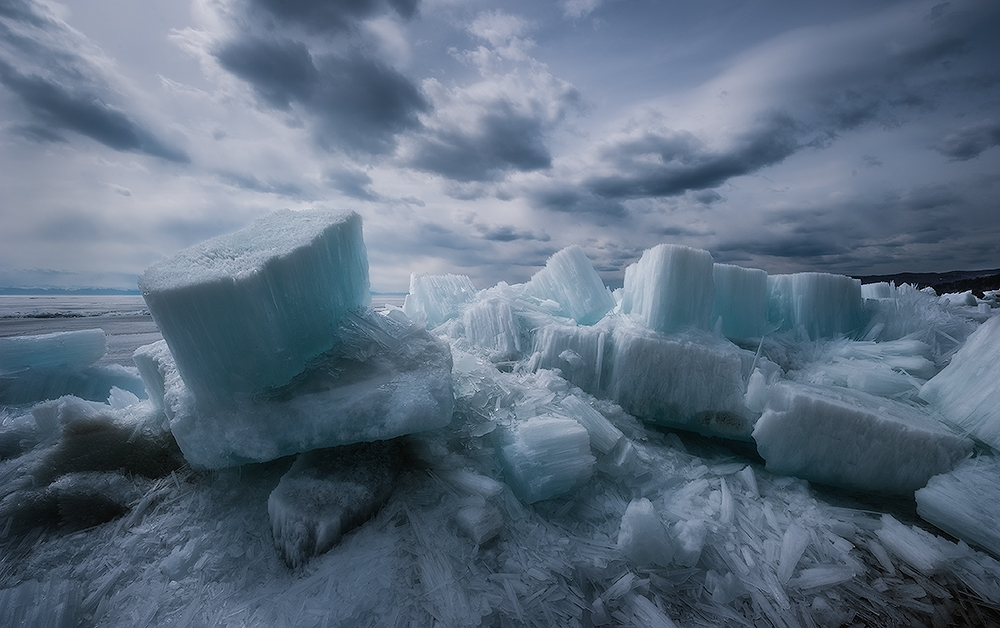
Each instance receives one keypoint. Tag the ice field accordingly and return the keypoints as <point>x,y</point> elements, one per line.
<point>709,445</point>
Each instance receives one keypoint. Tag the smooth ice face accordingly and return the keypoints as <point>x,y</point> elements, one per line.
<point>387,378</point>
<point>246,311</point>
<point>740,301</point>
<point>966,391</point>
<point>437,298</point>
<point>545,456</point>
<point>853,440</point>
<point>825,305</point>
<point>671,287</point>
<point>690,381</point>
<point>570,280</point>
<point>67,348</point>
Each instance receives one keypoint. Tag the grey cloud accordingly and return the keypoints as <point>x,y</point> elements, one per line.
<point>251,183</point>
<point>327,15</point>
<point>503,139</point>
<point>63,90</point>
<point>507,233</point>
<point>674,162</point>
<point>572,199</point>
<point>970,141</point>
<point>353,183</point>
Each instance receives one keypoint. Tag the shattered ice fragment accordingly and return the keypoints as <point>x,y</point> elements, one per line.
<point>327,493</point>
<point>569,279</point>
<point>642,537</point>
<point>957,502</point>
<point>545,456</point>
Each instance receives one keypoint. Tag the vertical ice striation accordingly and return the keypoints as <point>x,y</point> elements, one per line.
<point>245,311</point>
<point>958,502</point>
<point>670,288</point>
<point>740,300</point>
<point>824,305</point>
<point>437,298</point>
<point>966,392</point>
<point>570,280</point>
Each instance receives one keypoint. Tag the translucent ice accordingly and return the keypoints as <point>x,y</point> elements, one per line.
<point>391,379</point>
<point>670,288</point>
<point>642,537</point>
<point>545,456</point>
<point>570,280</point>
<point>966,391</point>
<point>246,311</point>
<point>691,381</point>
<point>825,305</point>
<point>963,503</point>
<point>579,352</point>
<point>850,439</point>
<point>437,298</point>
<point>740,300</point>
<point>68,348</point>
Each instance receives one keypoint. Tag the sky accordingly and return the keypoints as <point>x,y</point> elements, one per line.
<point>479,138</point>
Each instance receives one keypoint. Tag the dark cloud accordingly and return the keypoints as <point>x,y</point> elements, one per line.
<point>280,70</point>
<point>572,199</point>
<point>330,15</point>
<point>502,139</point>
<point>970,141</point>
<point>674,162</point>
<point>63,90</point>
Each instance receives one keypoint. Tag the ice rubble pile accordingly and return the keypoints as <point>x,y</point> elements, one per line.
<point>268,349</point>
<point>525,491</point>
<point>35,368</point>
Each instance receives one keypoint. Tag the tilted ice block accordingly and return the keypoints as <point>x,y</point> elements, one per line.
<point>963,503</point>
<point>437,298</point>
<point>577,351</point>
<point>740,300</point>
<point>372,389</point>
<point>825,305</point>
<point>853,440</point>
<point>244,312</point>
<point>544,457</point>
<point>604,436</point>
<point>691,381</point>
<point>570,280</point>
<point>327,493</point>
<point>65,348</point>
<point>671,287</point>
<point>966,392</point>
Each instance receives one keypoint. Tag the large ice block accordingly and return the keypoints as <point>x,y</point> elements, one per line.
<point>244,312</point>
<point>491,326</point>
<point>579,352</point>
<point>740,301</point>
<point>570,280</point>
<point>691,381</point>
<point>963,503</point>
<point>437,298</point>
<point>66,348</point>
<point>825,305</point>
<point>670,288</point>
<point>966,392</point>
<point>545,456</point>
<point>386,378</point>
<point>853,440</point>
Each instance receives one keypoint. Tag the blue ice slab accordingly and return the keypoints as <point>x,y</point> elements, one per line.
<point>66,348</point>
<point>545,456</point>
<point>740,301</point>
<point>825,305</point>
<point>570,280</point>
<point>670,288</point>
<point>244,312</point>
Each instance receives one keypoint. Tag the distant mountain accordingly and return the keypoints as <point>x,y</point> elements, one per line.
<point>954,281</point>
